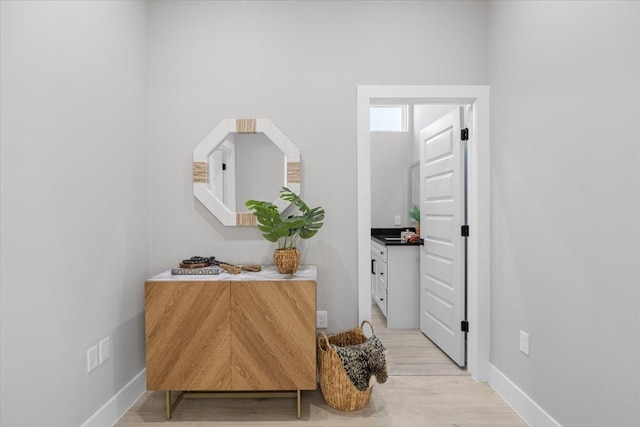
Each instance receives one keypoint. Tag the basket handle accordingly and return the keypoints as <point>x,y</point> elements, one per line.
<point>321,336</point>
<point>368,323</point>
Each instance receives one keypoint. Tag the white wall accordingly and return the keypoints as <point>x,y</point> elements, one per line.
<point>565,120</point>
<point>390,161</point>
<point>298,64</point>
<point>74,205</point>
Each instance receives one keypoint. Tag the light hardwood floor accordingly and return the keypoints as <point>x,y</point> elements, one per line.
<point>411,401</point>
<point>410,352</point>
<point>425,388</point>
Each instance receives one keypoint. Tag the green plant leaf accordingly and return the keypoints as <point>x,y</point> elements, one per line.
<point>414,213</point>
<point>268,218</point>
<point>313,222</point>
<point>290,196</point>
<point>286,231</point>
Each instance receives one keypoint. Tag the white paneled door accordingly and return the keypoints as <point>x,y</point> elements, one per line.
<point>442,258</point>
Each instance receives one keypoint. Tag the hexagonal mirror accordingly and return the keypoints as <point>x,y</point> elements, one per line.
<point>243,159</point>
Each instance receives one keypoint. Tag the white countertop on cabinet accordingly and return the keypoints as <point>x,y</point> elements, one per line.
<point>269,272</point>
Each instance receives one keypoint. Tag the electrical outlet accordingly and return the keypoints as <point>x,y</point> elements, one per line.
<point>524,342</point>
<point>92,358</point>
<point>105,351</point>
<point>397,220</point>
<point>321,319</point>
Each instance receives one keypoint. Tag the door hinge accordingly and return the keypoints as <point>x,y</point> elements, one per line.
<point>464,134</point>
<point>464,326</point>
<point>464,231</point>
<point>224,166</point>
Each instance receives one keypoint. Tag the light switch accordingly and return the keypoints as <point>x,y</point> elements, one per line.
<point>104,350</point>
<point>92,358</point>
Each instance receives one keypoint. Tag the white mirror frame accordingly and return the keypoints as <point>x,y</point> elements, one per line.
<point>291,164</point>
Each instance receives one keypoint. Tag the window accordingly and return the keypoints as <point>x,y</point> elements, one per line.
<point>388,118</point>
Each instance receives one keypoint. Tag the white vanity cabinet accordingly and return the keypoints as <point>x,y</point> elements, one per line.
<point>379,275</point>
<point>395,283</point>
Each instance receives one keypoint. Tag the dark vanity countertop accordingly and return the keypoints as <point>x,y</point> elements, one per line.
<point>381,235</point>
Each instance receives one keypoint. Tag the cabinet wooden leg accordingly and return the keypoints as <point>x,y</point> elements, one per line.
<point>298,399</point>
<point>170,407</point>
<point>167,403</point>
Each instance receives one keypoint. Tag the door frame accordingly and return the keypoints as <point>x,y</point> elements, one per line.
<point>478,205</point>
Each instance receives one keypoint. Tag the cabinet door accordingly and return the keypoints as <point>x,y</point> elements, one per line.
<point>381,293</point>
<point>188,335</point>
<point>382,275</point>
<point>374,276</point>
<point>273,335</point>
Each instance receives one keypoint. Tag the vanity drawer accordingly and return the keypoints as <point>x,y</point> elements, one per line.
<point>381,300</point>
<point>382,275</point>
<point>379,250</point>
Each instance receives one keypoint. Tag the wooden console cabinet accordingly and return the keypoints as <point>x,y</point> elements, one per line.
<point>227,333</point>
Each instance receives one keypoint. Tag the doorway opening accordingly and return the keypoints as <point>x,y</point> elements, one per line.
<point>478,187</point>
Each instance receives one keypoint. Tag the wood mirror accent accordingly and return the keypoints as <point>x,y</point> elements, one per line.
<point>209,192</point>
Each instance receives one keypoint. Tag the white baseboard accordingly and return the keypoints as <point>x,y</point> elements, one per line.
<point>120,403</point>
<point>528,410</point>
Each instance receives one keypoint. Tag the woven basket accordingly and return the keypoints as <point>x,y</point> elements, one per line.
<point>336,387</point>
<point>287,260</point>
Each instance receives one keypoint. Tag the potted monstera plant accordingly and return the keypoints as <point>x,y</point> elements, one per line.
<point>286,231</point>
<point>414,214</point>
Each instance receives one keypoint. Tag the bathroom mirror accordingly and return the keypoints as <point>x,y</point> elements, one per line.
<point>244,159</point>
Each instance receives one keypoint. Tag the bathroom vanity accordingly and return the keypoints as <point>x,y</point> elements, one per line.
<point>395,278</point>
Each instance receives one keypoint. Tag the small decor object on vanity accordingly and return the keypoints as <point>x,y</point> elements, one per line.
<point>197,266</point>
<point>197,262</point>
<point>202,266</point>
<point>286,231</point>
